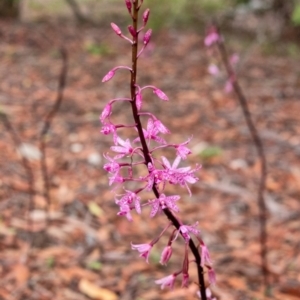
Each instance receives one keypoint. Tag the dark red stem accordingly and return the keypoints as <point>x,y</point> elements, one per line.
<point>146,152</point>
<point>261,153</point>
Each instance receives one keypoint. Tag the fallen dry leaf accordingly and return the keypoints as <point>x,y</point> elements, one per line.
<point>68,274</point>
<point>291,287</point>
<point>79,238</point>
<point>20,273</point>
<point>93,291</point>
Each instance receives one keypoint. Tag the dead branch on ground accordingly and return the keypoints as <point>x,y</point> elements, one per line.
<point>47,124</point>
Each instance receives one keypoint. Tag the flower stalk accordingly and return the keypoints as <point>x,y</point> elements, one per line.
<point>160,170</point>
<point>215,40</point>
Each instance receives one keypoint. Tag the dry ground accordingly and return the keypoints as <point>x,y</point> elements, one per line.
<point>85,247</point>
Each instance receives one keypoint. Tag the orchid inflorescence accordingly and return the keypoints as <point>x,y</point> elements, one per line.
<point>128,155</point>
<point>211,41</point>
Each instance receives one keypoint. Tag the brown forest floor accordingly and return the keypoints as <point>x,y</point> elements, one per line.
<point>84,250</point>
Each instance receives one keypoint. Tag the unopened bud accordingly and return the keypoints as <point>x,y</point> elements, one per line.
<point>146,16</point>
<point>213,70</point>
<point>129,5</point>
<point>211,276</point>
<point>108,76</point>
<point>132,30</point>
<point>160,94</point>
<point>212,37</point>
<point>139,100</point>
<point>106,112</point>
<point>147,37</point>
<point>116,28</point>
<point>166,255</point>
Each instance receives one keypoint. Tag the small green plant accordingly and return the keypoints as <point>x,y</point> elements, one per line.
<point>50,261</point>
<point>94,265</point>
<point>210,152</point>
<point>296,14</point>
<point>212,6</point>
<point>98,49</point>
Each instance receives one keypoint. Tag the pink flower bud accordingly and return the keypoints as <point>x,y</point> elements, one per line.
<point>106,112</point>
<point>160,94</point>
<point>213,70</point>
<point>129,5</point>
<point>116,28</point>
<point>211,276</point>
<point>146,16</point>
<point>139,100</point>
<point>228,86</point>
<point>212,37</point>
<point>147,37</point>
<point>166,255</point>
<point>185,280</point>
<point>234,58</point>
<point>132,30</point>
<point>205,257</point>
<point>108,76</point>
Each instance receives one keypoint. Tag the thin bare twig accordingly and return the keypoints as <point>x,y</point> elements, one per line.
<point>260,150</point>
<point>26,165</point>
<point>77,12</point>
<point>18,143</point>
<point>47,124</point>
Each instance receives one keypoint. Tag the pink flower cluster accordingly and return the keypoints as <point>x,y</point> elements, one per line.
<point>211,41</point>
<point>127,155</point>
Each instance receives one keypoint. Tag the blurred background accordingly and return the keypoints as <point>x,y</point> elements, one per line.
<point>65,241</point>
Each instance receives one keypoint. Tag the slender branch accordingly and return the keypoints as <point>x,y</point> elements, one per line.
<point>260,150</point>
<point>26,165</point>
<point>77,12</point>
<point>47,125</point>
<point>146,152</point>
<point>18,142</point>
